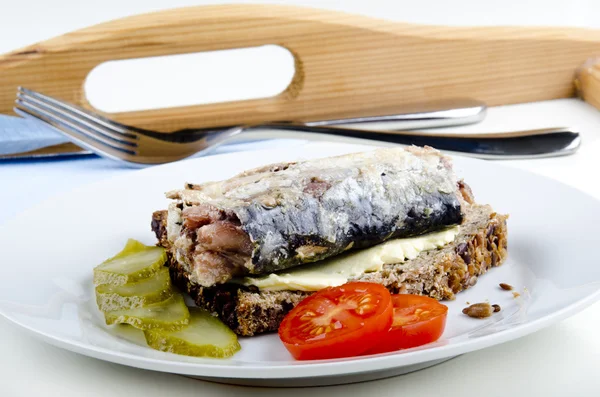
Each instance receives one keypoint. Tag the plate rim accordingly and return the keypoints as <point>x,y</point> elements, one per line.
<point>311,368</point>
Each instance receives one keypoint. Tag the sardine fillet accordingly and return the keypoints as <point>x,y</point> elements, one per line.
<point>283,215</point>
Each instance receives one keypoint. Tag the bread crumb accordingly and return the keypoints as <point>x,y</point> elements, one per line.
<point>516,294</point>
<point>497,308</point>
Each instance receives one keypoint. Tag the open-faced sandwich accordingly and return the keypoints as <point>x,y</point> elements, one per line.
<point>250,248</point>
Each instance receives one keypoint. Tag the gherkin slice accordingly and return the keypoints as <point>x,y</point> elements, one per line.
<point>171,314</point>
<point>132,246</point>
<point>135,262</point>
<point>204,336</point>
<point>129,296</point>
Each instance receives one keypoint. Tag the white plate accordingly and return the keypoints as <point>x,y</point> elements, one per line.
<point>49,252</point>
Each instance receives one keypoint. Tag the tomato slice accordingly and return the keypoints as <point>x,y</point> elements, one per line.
<point>337,322</point>
<point>418,320</point>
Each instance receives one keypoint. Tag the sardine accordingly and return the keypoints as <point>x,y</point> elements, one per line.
<point>284,215</point>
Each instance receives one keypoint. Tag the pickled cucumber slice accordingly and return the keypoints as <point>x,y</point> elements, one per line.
<point>171,314</point>
<point>129,296</point>
<point>205,336</point>
<point>131,247</point>
<point>135,262</point>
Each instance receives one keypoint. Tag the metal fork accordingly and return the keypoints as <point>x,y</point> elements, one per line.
<point>140,147</point>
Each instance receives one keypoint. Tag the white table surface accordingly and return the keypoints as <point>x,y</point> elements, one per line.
<point>563,359</point>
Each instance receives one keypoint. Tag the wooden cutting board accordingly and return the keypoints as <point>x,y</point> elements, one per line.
<point>345,64</point>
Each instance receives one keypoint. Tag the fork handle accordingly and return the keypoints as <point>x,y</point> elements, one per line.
<point>346,65</point>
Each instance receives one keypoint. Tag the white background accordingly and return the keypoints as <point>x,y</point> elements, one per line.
<point>561,360</point>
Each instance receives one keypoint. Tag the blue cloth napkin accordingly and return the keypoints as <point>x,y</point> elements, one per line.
<point>19,135</point>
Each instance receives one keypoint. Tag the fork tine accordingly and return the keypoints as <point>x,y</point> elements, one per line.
<point>106,136</point>
<point>90,120</point>
<point>80,111</point>
<point>80,140</point>
<point>86,138</point>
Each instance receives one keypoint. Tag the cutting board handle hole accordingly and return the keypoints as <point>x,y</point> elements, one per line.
<point>190,79</point>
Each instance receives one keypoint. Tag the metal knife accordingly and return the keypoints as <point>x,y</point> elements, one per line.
<point>35,140</point>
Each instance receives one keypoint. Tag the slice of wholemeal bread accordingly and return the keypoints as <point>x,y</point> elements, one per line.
<point>441,273</point>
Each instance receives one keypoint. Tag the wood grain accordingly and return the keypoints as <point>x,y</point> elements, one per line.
<point>587,82</point>
<point>346,64</point>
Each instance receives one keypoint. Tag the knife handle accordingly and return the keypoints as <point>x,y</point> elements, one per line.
<point>346,65</point>
<point>526,144</point>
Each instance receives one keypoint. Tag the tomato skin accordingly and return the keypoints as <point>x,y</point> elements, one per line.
<point>349,330</point>
<point>409,330</point>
